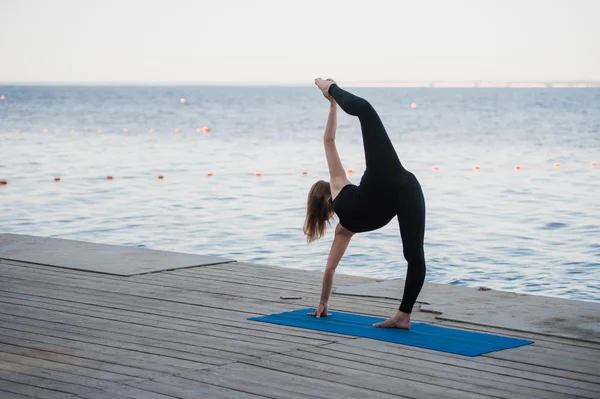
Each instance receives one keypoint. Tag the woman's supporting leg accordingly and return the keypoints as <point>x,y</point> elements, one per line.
<point>411,217</point>
<point>380,155</point>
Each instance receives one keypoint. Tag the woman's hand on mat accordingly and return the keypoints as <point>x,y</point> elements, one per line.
<point>321,311</point>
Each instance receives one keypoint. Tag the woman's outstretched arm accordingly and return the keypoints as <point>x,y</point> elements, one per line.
<point>337,174</point>
<point>338,248</point>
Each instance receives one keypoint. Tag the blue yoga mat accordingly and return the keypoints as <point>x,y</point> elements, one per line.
<point>460,342</point>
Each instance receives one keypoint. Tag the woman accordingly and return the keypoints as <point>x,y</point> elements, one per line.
<point>386,190</point>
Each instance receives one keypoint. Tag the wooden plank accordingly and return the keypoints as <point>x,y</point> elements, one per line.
<point>276,272</point>
<point>249,290</point>
<point>74,364</point>
<point>324,363</point>
<point>370,310</point>
<point>159,325</point>
<point>266,305</point>
<point>413,384</point>
<point>308,280</point>
<point>271,381</point>
<point>379,349</point>
<point>198,285</point>
<point>108,340</point>
<point>61,273</point>
<point>225,388</point>
<point>255,274</point>
<point>187,388</point>
<point>113,383</point>
<point>340,300</point>
<point>264,272</point>
<point>150,305</point>
<point>11,395</point>
<point>108,355</point>
<point>119,300</point>
<point>35,279</point>
<point>547,360</point>
<point>32,391</point>
<point>109,389</point>
<point>77,369</point>
<point>584,357</point>
<point>222,321</point>
<point>209,355</point>
<point>469,379</point>
<point>428,373</point>
<point>217,301</point>
<point>76,384</point>
<point>251,345</point>
<point>303,283</point>
<point>256,305</point>
<point>159,309</point>
<point>95,257</point>
<point>126,357</point>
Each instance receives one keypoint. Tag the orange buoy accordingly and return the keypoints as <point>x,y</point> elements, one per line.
<point>161,177</point>
<point>209,174</point>
<point>349,171</point>
<point>517,167</point>
<point>258,174</point>
<point>3,97</point>
<point>151,131</point>
<point>304,172</point>
<point>3,182</point>
<point>594,164</point>
<point>557,165</point>
<point>109,177</point>
<point>182,100</point>
<point>476,167</point>
<point>436,168</point>
<point>57,179</point>
<point>205,129</point>
<point>413,105</point>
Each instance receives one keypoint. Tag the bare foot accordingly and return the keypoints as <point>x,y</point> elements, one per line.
<point>324,84</point>
<point>399,320</point>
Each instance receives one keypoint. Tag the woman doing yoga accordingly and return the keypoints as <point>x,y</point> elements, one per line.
<point>386,190</point>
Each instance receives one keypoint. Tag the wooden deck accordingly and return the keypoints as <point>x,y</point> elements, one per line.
<point>185,334</point>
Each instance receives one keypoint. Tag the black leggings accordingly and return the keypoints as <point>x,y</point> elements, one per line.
<point>385,177</point>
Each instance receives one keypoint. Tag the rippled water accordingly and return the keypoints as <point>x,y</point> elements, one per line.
<point>534,230</point>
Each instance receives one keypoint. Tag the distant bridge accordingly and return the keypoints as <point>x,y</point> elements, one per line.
<point>480,84</point>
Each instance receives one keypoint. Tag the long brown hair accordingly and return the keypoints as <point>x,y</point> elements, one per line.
<point>319,211</point>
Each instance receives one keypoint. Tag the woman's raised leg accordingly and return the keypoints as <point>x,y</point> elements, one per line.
<point>380,155</point>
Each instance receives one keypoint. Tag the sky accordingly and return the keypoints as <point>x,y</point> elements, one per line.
<point>283,41</point>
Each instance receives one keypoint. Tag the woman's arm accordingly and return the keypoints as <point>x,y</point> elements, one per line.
<point>338,248</point>
<point>337,173</point>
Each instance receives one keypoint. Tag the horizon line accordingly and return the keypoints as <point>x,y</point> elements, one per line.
<point>354,83</point>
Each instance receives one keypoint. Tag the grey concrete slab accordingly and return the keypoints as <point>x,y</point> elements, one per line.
<point>520,312</point>
<point>99,258</point>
